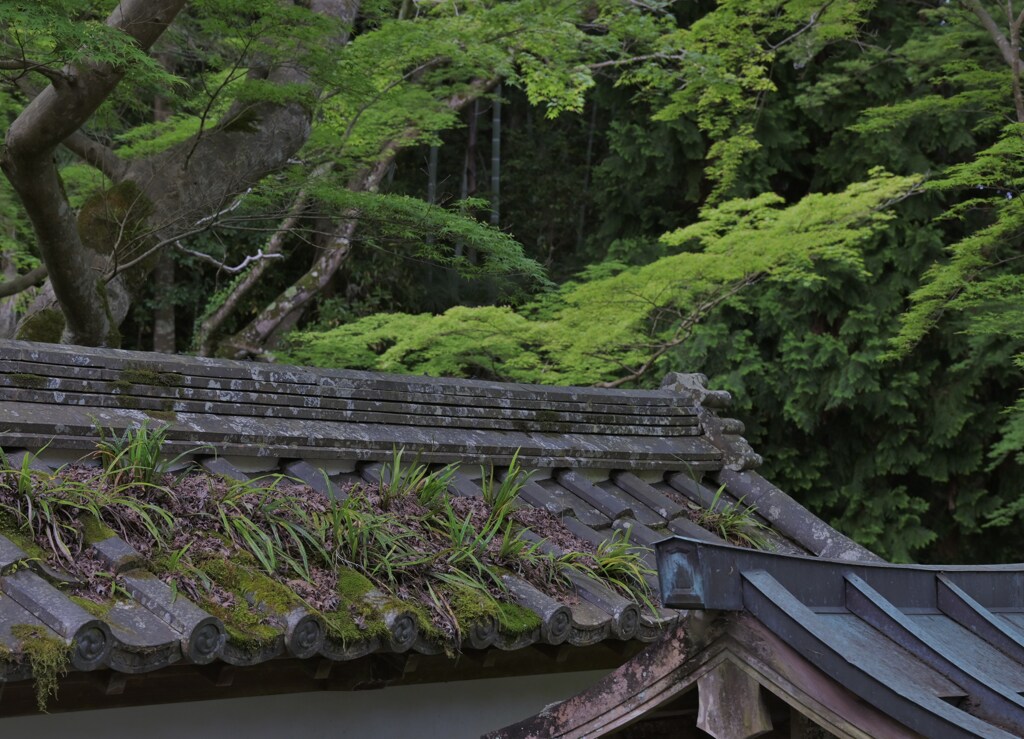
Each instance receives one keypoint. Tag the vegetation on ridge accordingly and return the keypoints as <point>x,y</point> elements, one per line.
<point>251,551</point>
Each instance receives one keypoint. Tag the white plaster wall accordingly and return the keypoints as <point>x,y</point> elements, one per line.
<point>438,711</point>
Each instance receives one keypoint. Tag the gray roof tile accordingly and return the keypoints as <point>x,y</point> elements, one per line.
<point>301,422</point>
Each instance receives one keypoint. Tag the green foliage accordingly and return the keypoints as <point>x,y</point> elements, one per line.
<point>971,280</point>
<point>734,522</point>
<point>726,57</point>
<point>391,219</point>
<point>55,33</point>
<point>500,496</point>
<point>649,182</point>
<point>925,459</point>
<point>718,201</point>
<point>134,457</point>
<point>590,330</point>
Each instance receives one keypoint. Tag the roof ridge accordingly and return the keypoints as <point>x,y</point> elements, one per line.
<point>250,409</point>
<point>78,356</point>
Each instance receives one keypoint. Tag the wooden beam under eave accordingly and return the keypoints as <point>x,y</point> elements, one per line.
<point>731,705</point>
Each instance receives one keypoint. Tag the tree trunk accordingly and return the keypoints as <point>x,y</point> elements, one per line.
<point>76,270</point>
<point>206,335</point>
<point>164,338</point>
<point>432,175</point>
<point>432,200</point>
<point>98,258</point>
<point>496,158</point>
<point>586,179</point>
<point>471,153</point>
<point>290,304</point>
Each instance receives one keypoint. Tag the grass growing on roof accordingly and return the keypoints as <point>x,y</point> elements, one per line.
<point>135,457</point>
<point>618,565</point>
<point>500,496</point>
<point>250,551</point>
<point>736,523</point>
<point>399,479</point>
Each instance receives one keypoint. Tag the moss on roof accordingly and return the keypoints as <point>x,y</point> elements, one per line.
<point>250,552</point>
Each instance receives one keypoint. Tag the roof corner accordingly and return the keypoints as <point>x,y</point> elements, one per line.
<point>723,433</point>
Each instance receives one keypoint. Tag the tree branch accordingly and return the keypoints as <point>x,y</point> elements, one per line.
<point>27,160</point>
<point>196,177</point>
<point>993,29</point>
<point>257,257</point>
<point>92,152</point>
<point>387,88</point>
<point>811,23</point>
<point>174,189</point>
<point>55,76</point>
<point>211,325</point>
<point>99,156</point>
<point>299,295</point>
<point>637,59</point>
<point>1018,94</point>
<point>22,282</point>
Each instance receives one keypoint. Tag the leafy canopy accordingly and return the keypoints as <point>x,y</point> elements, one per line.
<point>587,331</point>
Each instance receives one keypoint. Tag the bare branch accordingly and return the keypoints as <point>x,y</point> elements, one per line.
<point>231,208</point>
<point>119,269</point>
<point>66,107</point>
<point>22,282</point>
<point>55,76</point>
<point>637,59</point>
<point>258,256</point>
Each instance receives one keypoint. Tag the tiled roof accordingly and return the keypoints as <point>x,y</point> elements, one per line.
<point>939,649</point>
<point>605,460</point>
